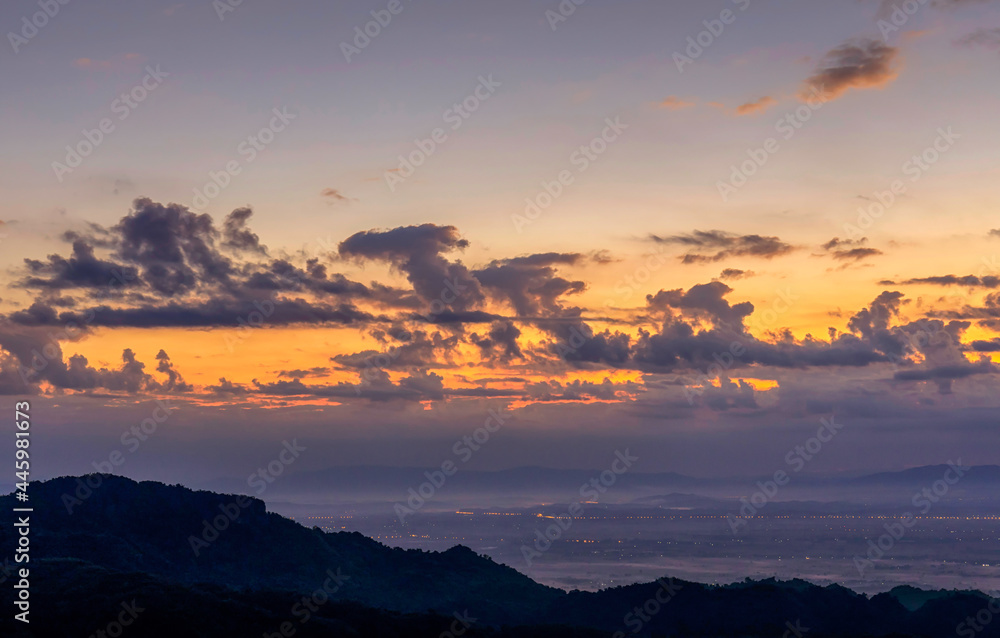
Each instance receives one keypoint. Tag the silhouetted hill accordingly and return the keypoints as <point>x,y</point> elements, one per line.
<point>131,540</point>
<point>148,527</point>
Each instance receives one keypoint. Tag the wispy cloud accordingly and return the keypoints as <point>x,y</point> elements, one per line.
<point>856,64</point>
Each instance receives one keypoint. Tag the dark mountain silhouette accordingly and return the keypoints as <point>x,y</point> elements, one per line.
<point>128,541</point>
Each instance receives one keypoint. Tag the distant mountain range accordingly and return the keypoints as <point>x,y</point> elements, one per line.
<point>199,563</point>
<point>530,485</point>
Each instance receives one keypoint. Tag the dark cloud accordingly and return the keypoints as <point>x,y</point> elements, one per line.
<point>703,301</point>
<point>856,64</point>
<point>730,395</point>
<point>164,266</point>
<point>375,385</point>
<point>174,247</point>
<point>419,350</point>
<point>850,250</point>
<point>213,313</point>
<point>988,314</point>
<point>81,270</point>
<point>578,344</point>
<point>944,375</point>
<point>318,371</point>
<point>856,254</point>
<point>681,346</point>
<point>417,251</point>
<point>228,388</point>
<point>236,233</point>
<point>734,273</point>
<point>554,391</point>
<point>500,341</point>
<point>716,245</point>
<point>971,281</point>
<point>993,345</point>
<point>36,358</point>
<point>175,382</point>
<point>531,283</point>
<point>872,323</point>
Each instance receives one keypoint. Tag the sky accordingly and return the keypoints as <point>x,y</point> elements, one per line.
<point>694,229</point>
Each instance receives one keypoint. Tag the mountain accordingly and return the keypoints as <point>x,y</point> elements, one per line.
<point>383,483</point>
<point>209,564</point>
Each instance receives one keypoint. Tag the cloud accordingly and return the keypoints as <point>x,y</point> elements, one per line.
<point>206,314</point>
<point>988,281</point>
<point>888,7</point>
<point>530,283</point>
<point>993,345</point>
<point>36,358</point>
<point>82,270</point>
<point>500,342</point>
<point>417,349</point>
<point>735,273</point>
<point>675,103</point>
<point>721,245</point>
<point>577,390</point>
<point>174,247</point>
<point>418,252</point>
<point>236,234</point>
<point>984,38</point>
<point>186,272</point>
<point>995,232</point>
<point>117,63</point>
<point>850,250</point>
<point>757,106</point>
<point>944,375</point>
<point>336,197</point>
<point>318,371</point>
<point>703,301</point>
<point>856,64</point>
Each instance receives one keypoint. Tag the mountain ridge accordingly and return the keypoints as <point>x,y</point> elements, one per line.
<point>126,531</point>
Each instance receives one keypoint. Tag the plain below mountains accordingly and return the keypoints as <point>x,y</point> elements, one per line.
<point>199,563</point>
